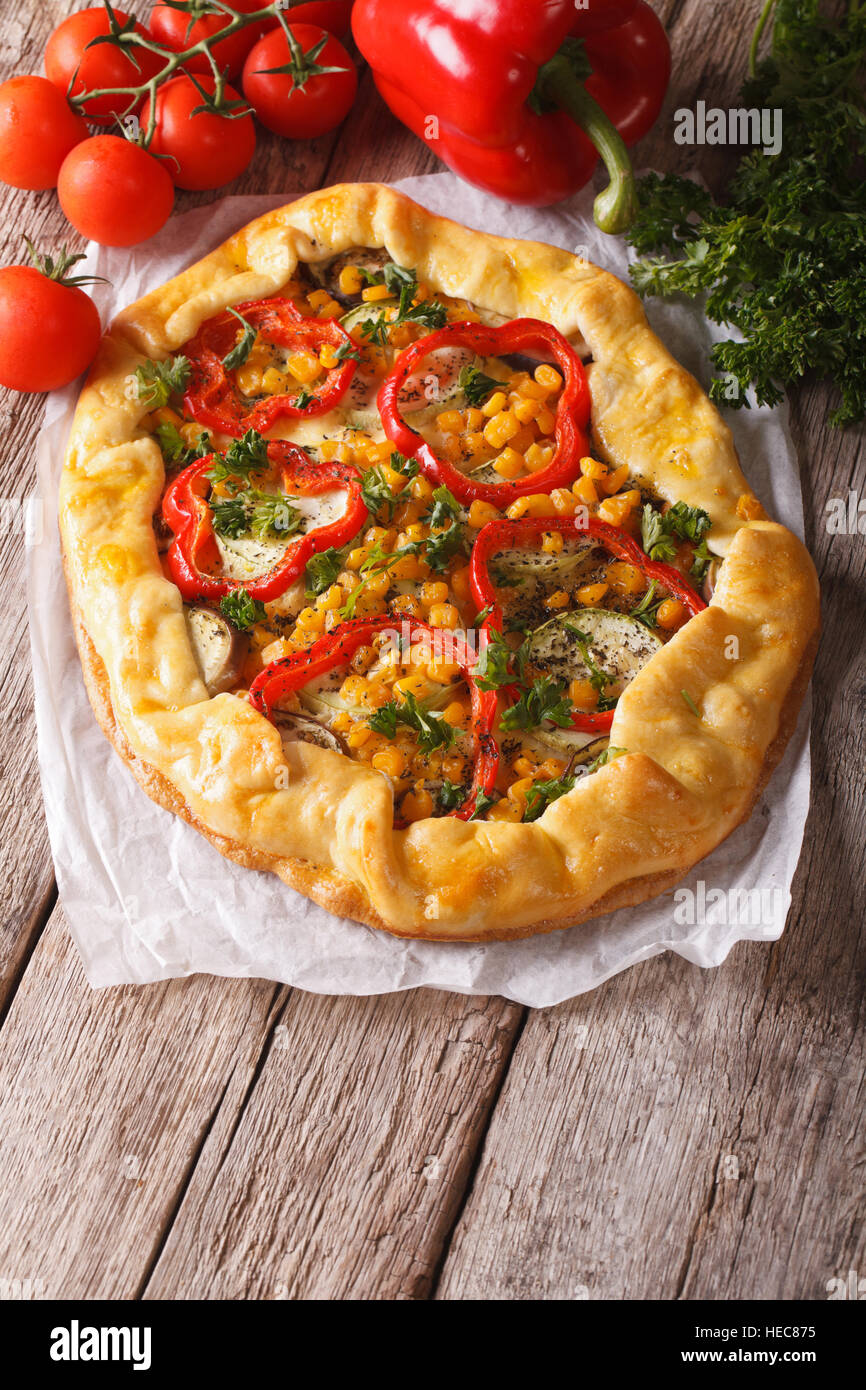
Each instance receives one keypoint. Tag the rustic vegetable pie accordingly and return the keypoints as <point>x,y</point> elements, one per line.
<point>406,563</point>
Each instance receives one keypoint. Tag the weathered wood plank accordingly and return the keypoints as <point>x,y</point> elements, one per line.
<point>346,1168</point>
<point>105,1100</point>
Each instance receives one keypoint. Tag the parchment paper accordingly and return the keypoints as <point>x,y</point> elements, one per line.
<point>147,898</point>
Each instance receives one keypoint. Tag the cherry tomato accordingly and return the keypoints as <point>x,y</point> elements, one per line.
<point>38,128</point>
<point>114,191</point>
<point>49,331</point>
<point>177,30</point>
<point>205,150</point>
<point>333,15</point>
<point>102,66</point>
<point>304,101</point>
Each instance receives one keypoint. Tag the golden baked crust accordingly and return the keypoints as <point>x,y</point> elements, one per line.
<point>325,823</point>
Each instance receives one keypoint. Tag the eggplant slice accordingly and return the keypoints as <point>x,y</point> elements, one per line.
<point>302,728</point>
<point>219,649</point>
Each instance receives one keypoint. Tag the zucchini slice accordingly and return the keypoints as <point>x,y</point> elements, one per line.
<point>621,646</point>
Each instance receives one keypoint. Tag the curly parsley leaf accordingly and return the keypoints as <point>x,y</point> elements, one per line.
<point>477,386</point>
<point>432,731</point>
<point>545,699</point>
<point>450,795</point>
<point>483,802</point>
<point>445,507</point>
<point>242,349</point>
<point>175,448</point>
<point>242,458</point>
<point>543,794</point>
<point>157,382</point>
<point>322,570</point>
<point>440,548</point>
<point>493,668</point>
<point>242,610</point>
<point>606,757</point>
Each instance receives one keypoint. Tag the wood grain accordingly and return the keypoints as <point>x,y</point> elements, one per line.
<point>678,1133</point>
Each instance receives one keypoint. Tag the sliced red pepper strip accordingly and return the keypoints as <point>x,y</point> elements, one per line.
<point>572,410</point>
<point>504,535</point>
<point>186,511</point>
<point>337,648</point>
<point>212,396</point>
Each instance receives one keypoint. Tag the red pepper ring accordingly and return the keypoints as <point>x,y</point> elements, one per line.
<point>572,411</point>
<point>213,398</point>
<point>337,648</point>
<point>186,511</point>
<point>502,535</point>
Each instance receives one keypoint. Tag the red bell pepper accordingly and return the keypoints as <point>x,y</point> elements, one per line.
<point>504,535</point>
<point>572,411</point>
<point>521,98</point>
<point>213,398</point>
<point>194,550</point>
<point>337,648</point>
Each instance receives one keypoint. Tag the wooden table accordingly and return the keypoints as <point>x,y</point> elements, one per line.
<point>678,1133</point>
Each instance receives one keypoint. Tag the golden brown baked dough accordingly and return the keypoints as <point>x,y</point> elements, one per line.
<point>325,823</point>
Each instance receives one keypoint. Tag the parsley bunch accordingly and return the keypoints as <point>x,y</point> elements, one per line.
<point>782,259</point>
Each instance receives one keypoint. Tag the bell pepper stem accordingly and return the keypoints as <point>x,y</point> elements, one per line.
<point>615,207</point>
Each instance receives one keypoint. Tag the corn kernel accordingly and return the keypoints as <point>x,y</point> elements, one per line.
<point>304,366</point>
<point>316,298</point>
<point>671,614</point>
<point>501,428</point>
<point>558,599</point>
<point>406,606</point>
<point>545,420</point>
<point>497,402</point>
<point>450,421</point>
<point>353,689</point>
<point>249,380</point>
<point>460,583</point>
<point>552,767</point>
<point>537,504</point>
<point>564,501</point>
<point>356,557</point>
<point>615,479</point>
<point>444,615</point>
<point>274,382</point>
<point>625,578</point>
<point>164,415</point>
<point>416,805</point>
<point>474,418</point>
<point>453,766</point>
<point>331,598</point>
<point>524,766</point>
<point>524,408</point>
<point>474,445</point>
<point>357,737</point>
<point>421,490</point>
<point>391,761</point>
<point>583,694</point>
<point>335,450</point>
<point>455,713</point>
<point>505,810</point>
<point>538,456</point>
<point>584,491</point>
<point>548,377</point>
<point>191,433</point>
<point>509,464</point>
<point>351,280</point>
<point>613,511</point>
<point>480,513</point>
<point>310,620</point>
<point>363,659</point>
<point>593,468</point>
<point>443,672</point>
<point>376,695</point>
<point>434,591</point>
<point>328,357</point>
<point>373,293</point>
<point>519,789</point>
<point>590,595</point>
<point>551,542</point>
<point>276,651</point>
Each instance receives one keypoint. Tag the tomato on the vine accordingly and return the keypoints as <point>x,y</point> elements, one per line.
<point>38,128</point>
<point>312,88</point>
<point>180,29</point>
<point>104,65</point>
<point>49,328</point>
<point>333,15</point>
<point>114,191</point>
<point>204,150</point>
